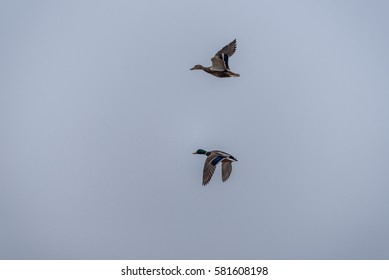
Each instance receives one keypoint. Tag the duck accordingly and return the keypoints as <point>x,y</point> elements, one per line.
<point>213,159</point>
<point>220,66</point>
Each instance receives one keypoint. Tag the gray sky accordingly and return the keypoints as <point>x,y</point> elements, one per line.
<point>99,115</point>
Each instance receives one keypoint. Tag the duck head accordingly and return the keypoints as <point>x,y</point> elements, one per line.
<point>197,67</point>
<point>200,152</point>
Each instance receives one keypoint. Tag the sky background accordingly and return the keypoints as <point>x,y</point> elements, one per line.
<point>99,116</point>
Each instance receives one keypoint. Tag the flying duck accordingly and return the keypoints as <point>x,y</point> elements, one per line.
<point>213,158</point>
<point>220,66</point>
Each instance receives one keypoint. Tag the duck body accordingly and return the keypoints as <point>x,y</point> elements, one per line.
<point>219,74</point>
<point>213,159</point>
<point>220,66</point>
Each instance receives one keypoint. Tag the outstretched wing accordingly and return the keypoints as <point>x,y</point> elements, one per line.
<point>228,49</point>
<point>226,170</point>
<point>223,55</point>
<point>210,166</point>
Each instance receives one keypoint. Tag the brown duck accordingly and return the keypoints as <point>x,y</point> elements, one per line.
<point>220,66</point>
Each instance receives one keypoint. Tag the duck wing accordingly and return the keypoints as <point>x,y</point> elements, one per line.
<point>226,170</point>
<point>210,166</point>
<point>223,56</point>
<point>218,64</point>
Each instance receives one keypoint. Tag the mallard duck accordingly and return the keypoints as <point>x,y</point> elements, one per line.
<point>213,158</point>
<point>220,66</point>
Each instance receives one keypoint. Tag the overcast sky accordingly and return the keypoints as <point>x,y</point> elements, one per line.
<point>99,116</point>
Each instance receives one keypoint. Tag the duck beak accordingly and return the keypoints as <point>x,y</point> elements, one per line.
<point>191,68</point>
<point>194,152</point>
